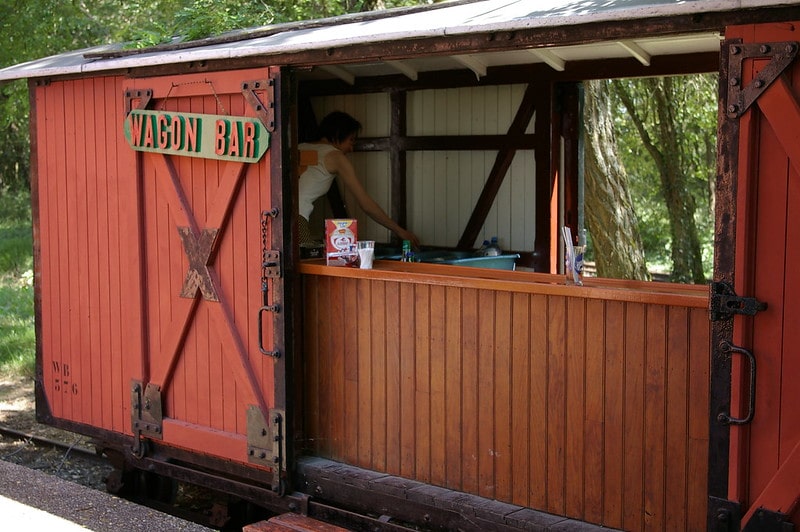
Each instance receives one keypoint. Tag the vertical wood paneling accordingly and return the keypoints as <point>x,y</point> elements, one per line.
<point>469,390</point>
<point>655,402</point>
<point>377,353</point>
<point>502,397</point>
<point>674,401</point>
<point>538,426</point>
<point>613,405</point>
<point>633,412</point>
<point>438,377</point>
<point>521,407</point>
<point>698,384</point>
<point>315,341</point>
<point>125,323</point>
<point>394,418</point>
<point>595,419</point>
<point>556,403</point>
<point>422,389</point>
<point>575,405</point>
<point>49,215</point>
<point>91,373</point>
<point>74,227</point>
<point>485,399</point>
<point>365,376</point>
<point>764,431</point>
<point>453,393</point>
<point>585,408</point>
<point>408,410</point>
<point>82,185</point>
<point>347,321</point>
<point>79,216</point>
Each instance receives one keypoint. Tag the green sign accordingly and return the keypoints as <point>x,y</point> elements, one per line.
<point>230,138</point>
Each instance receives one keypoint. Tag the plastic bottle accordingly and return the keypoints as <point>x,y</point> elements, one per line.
<point>494,249</point>
<point>482,250</point>
<point>407,253</point>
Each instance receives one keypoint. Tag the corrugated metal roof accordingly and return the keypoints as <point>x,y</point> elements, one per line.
<point>439,20</point>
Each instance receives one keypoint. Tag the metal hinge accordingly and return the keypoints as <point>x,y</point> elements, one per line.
<point>266,443</point>
<point>147,414</point>
<point>723,302</point>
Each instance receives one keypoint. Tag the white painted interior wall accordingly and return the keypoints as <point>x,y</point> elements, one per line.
<point>443,186</point>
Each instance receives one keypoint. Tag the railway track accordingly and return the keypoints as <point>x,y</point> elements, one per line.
<point>72,448</point>
<point>77,463</point>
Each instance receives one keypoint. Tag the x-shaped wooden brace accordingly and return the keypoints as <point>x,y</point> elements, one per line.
<point>200,246</point>
<point>199,249</point>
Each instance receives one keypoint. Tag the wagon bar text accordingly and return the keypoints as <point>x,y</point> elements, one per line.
<point>230,138</point>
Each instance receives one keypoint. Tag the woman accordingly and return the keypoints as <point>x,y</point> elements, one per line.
<point>337,133</point>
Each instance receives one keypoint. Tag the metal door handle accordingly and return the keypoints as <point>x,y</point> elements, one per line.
<point>261,311</point>
<point>727,418</point>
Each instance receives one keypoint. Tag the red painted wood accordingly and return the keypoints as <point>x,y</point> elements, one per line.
<point>110,264</point>
<point>762,453</point>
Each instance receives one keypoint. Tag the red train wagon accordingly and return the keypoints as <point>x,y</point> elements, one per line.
<point>178,324</point>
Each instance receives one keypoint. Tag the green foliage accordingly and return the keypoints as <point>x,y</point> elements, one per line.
<point>693,102</point>
<point>32,30</point>
<point>17,336</point>
<point>145,23</point>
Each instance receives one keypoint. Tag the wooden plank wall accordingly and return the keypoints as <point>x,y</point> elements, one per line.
<point>593,409</point>
<point>444,186</point>
<point>84,230</point>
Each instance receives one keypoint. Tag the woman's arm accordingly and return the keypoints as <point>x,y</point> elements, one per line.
<point>339,164</point>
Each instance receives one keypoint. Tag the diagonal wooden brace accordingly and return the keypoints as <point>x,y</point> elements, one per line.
<point>198,250</point>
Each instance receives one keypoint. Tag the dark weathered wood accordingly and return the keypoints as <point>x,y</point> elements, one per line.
<point>661,65</point>
<point>455,142</point>
<point>567,114</point>
<point>397,153</point>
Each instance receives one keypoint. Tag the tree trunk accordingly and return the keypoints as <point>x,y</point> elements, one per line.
<point>608,206</point>
<point>664,145</point>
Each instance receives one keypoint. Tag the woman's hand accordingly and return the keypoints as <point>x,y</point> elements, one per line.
<point>408,235</point>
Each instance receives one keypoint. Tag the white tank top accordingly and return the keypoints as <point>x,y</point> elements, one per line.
<point>315,180</point>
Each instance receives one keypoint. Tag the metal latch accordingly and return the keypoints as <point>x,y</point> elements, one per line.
<point>266,444</point>
<point>723,302</point>
<point>271,263</point>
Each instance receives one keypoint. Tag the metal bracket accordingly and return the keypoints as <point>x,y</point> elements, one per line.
<point>253,92</point>
<point>266,444</point>
<point>272,263</point>
<point>723,515</point>
<point>740,98</point>
<point>764,520</point>
<point>147,414</point>
<point>723,302</point>
<point>144,96</point>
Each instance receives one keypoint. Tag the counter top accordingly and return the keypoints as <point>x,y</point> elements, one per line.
<point>695,296</point>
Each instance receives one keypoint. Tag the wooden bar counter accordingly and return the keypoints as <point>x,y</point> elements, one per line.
<point>584,401</point>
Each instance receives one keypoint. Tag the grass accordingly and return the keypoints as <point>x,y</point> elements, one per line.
<point>17,334</point>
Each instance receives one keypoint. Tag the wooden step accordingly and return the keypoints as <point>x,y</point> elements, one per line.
<point>291,521</point>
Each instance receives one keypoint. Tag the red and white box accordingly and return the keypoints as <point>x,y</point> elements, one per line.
<point>341,236</point>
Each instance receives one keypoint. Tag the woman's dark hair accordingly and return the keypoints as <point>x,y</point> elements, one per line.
<point>337,126</point>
